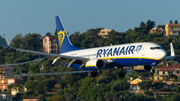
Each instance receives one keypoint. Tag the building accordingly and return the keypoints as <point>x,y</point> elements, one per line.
<point>4,83</point>
<point>16,90</point>
<point>162,93</point>
<point>172,29</point>
<point>129,69</point>
<point>104,33</point>
<point>5,71</point>
<point>134,84</point>
<point>50,44</point>
<point>30,99</point>
<point>161,73</point>
<point>157,30</point>
<point>4,96</point>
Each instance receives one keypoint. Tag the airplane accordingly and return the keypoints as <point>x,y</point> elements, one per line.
<point>141,55</point>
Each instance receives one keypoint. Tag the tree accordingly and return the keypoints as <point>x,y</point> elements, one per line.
<point>142,24</point>
<point>49,34</point>
<point>170,21</point>
<point>48,84</point>
<point>144,74</point>
<point>41,98</point>
<point>17,41</point>
<point>170,75</point>
<point>32,42</point>
<point>145,84</point>
<point>118,86</point>
<point>149,93</point>
<point>136,97</point>
<point>176,22</point>
<point>34,69</point>
<point>105,79</point>
<point>177,89</point>
<point>86,84</point>
<point>158,85</point>
<point>149,25</point>
<point>55,33</point>
<point>175,97</point>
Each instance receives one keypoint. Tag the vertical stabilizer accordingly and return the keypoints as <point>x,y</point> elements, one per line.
<point>63,40</point>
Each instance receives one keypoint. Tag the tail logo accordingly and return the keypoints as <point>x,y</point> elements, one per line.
<point>61,35</point>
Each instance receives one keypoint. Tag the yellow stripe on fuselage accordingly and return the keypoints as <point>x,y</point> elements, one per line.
<point>129,58</point>
<point>90,65</point>
<point>138,68</point>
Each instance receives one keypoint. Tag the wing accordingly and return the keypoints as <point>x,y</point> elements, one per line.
<point>15,64</point>
<point>71,72</point>
<point>67,59</point>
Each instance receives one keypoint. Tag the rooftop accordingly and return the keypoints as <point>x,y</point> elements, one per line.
<point>169,67</point>
<point>2,67</point>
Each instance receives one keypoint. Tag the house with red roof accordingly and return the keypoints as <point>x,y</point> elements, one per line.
<point>161,73</point>
<point>157,30</point>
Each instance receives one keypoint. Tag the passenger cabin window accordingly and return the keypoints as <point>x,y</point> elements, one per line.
<point>152,48</point>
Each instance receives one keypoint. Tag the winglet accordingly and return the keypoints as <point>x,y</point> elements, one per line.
<point>172,50</point>
<point>7,42</point>
<point>172,53</point>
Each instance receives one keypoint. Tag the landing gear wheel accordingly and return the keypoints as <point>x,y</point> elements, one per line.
<point>120,75</point>
<point>92,74</point>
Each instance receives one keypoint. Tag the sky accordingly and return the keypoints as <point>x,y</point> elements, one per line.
<point>38,16</point>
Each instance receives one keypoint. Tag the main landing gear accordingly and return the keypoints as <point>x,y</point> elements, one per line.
<point>120,74</point>
<point>92,74</point>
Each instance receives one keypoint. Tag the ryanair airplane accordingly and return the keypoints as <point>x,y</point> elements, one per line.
<point>141,55</point>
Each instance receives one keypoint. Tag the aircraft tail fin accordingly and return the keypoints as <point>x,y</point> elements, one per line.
<point>63,40</point>
<point>7,43</point>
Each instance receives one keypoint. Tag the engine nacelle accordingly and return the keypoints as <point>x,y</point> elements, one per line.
<point>95,64</point>
<point>147,67</point>
<point>142,68</point>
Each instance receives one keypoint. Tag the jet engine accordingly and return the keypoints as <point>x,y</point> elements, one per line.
<point>142,68</point>
<point>95,64</point>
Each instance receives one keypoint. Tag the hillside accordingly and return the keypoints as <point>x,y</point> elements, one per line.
<point>78,86</point>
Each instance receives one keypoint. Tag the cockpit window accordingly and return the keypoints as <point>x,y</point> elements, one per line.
<point>152,48</point>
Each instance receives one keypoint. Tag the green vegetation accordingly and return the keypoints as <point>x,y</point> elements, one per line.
<point>78,86</point>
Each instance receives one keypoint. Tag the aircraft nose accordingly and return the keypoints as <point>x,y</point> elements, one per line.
<point>161,53</point>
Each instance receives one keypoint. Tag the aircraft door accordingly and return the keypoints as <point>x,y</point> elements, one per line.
<point>143,51</point>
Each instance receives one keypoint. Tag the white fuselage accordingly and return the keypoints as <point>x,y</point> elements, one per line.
<point>122,51</point>
<point>130,52</point>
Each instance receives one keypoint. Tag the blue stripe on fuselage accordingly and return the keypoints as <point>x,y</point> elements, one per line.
<point>122,62</point>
